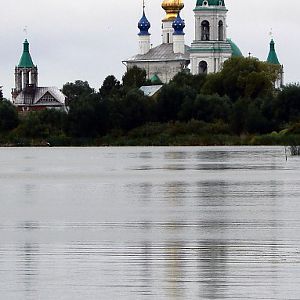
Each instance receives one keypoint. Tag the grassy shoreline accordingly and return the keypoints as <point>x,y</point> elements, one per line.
<point>193,133</point>
<point>157,140</point>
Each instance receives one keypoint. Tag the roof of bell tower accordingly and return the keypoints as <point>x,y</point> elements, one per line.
<point>26,60</point>
<point>272,57</point>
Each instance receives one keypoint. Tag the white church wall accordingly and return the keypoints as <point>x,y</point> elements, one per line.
<point>164,70</point>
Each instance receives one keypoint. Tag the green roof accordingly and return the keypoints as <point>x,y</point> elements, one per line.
<point>211,2</point>
<point>155,79</point>
<point>26,61</point>
<point>236,52</point>
<point>272,57</point>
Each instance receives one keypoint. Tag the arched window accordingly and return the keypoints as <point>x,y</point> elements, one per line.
<point>221,31</point>
<point>202,67</point>
<point>205,31</point>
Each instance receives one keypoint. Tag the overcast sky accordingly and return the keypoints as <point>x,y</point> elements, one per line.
<point>88,39</point>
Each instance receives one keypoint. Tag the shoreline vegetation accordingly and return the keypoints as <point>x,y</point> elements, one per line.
<point>193,133</point>
<point>237,106</point>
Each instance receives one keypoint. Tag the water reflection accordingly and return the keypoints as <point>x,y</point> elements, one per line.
<point>174,265</point>
<point>155,223</point>
<point>176,155</point>
<point>212,271</point>
<point>28,226</point>
<point>28,269</point>
<point>146,267</point>
<point>176,192</point>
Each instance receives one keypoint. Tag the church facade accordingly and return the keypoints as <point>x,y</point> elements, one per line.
<point>27,95</point>
<point>207,53</point>
<point>172,55</point>
<point>209,50</point>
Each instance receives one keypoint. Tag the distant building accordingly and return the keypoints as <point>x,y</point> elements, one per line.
<point>27,95</point>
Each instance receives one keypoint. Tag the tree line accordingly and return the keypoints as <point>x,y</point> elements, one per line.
<point>239,100</point>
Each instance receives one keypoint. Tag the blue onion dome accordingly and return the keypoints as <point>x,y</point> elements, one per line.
<point>144,25</point>
<point>178,25</point>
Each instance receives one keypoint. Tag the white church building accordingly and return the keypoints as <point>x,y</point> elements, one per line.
<point>209,50</point>
<point>207,53</point>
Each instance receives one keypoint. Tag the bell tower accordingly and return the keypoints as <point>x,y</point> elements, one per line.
<point>210,47</point>
<point>26,74</point>
<point>273,60</point>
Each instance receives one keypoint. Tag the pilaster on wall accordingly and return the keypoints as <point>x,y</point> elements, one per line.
<point>18,80</point>
<point>34,76</point>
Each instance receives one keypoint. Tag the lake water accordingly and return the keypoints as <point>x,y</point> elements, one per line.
<point>149,223</point>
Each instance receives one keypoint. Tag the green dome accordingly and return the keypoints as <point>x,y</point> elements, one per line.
<point>155,79</point>
<point>236,52</point>
<point>210,3</point>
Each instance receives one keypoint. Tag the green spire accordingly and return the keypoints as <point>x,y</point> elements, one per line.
<point>272,57</point>
<point>26,61</point>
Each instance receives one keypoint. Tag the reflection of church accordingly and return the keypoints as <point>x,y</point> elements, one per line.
<point>209,50</point>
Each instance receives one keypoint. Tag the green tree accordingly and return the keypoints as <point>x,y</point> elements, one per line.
<point>210,108</point>
<point>135,110</point>
<point>54,120</point>
<point>251,116</point>
<point>134,77</point>
<point>8,116</point>
<point>1,94</point>
<point>74,91</point>
<point>170,101</point>
<point>32,127</point>
<point>187,79</point>
<point>255,121</point>
<point>88,117</point>
<point>110,86</point>
<point>243,78</point>
<point>287,104</point>
<point>238,116</point>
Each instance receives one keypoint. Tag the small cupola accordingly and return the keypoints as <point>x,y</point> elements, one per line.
<point>178,25</point>
<point>144,25</point>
